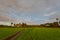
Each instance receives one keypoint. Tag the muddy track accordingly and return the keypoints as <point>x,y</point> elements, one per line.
<point>13,37</point>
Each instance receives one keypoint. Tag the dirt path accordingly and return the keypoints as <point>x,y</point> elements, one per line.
<point>13,37</point>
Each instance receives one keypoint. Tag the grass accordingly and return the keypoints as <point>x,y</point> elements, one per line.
<point>5,32</point>
<point>40,34</point>
<point>32,33</point>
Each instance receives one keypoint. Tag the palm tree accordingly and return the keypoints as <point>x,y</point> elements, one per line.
<point>57,19</point>
<point>11,23</point>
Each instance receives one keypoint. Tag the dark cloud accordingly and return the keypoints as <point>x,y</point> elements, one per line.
<point>12,10</point>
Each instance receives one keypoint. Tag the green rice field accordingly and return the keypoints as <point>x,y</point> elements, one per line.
<point>32,33</point>
<point>40,34</point>
<point>6,32</point>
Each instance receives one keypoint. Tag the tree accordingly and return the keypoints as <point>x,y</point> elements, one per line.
<point>24,24</point>
<point>11,23</point>
<point>57,19</point>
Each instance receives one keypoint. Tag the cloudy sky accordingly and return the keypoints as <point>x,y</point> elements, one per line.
<point>29,11</point>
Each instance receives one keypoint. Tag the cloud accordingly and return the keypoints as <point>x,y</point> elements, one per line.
<point>57,15</point>
<point>19,10</point>
<point>29,5</point>
<point>49,14</point>
<point>7,19</point>
<point>25,6</point>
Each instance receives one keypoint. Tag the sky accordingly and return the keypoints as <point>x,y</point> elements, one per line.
<point>29,11</point>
